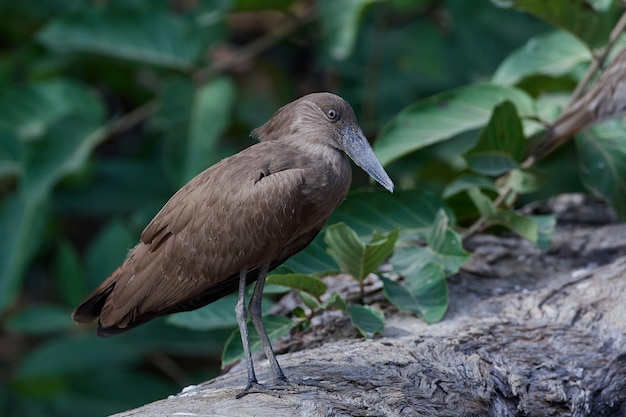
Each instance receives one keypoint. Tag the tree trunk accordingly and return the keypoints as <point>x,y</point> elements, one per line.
<point>527,334</point>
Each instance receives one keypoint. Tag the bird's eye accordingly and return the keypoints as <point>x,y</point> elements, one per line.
<point>331,114</point>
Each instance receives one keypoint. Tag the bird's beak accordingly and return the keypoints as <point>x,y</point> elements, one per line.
<point>359,150</point>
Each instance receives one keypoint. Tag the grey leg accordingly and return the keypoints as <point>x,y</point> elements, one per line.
<point>256,315</point>
<point>242,321</point>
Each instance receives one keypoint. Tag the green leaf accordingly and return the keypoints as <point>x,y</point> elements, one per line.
<point>444,248</point>
<point>62,150</point>
<point>366,319</point>
<point>467,181</point>
<point>590,24</point>
<point>546,228</point>
<point>82,352</point>
<point>355,257</point>
<point>21,224</point>
<point>40,319</point>
<point>501,145</point>
<point>553,54</point>
<point>302,282</point>
<point>443,116</point>
<point>313,259</point>
<point>210,115</point>
<point>602,155</point>
<point>340,22</point>
<point>144,36</point>
<point>107,251</point>
<point>69,275</point>
<point>217,315</point>
<point>523,226</point>
<point>29,110</point>
<point>276,326</point>
<point>410,211</point>
<point>335,301</point>
<point>424,293</point>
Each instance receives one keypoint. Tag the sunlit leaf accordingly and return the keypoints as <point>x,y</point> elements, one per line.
<point>366,319</point>
<point>602,154</point>
<point>554,54</point>
<point>276,326</point>
<point>443,116</point>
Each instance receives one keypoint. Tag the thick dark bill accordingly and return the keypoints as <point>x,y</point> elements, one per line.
<point>359,150</point>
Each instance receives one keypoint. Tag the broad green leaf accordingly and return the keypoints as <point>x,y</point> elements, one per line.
<point>312,260</point>
<point>21,225</point>
<point>602,155</point>
<point>522,182</point>
<point>192,118</point>
<point>340,20</point>
<point>501,145</point>
<point>366,319</point>
<point>302,282</point>
<point>217,315</point>
<point>10,154</point>
<point>309,301</point>
<point>82,352</point>
<point>443,116</point>
<point>467,181</point>
<point>29,110</point>
<point>61,150</point>
<point>69,275</point>
<point>444,248</point>
<point>410,211</point>
<point>107,251</point>
<point>355,257</point>
<point>546,228</point>
<point>276,326</point>
<point>424,293</point>
<point>591,25</point>
<point>523,226</point>
<point>335,301</point>
<point>144,36</point>
<point>210,115</point>
<point>554,54</point>
<point>40,319</point>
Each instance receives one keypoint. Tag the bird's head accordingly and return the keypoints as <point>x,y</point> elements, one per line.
<point>329,119</point>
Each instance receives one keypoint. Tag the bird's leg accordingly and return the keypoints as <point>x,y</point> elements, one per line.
<point>242,321</point>
<point>256,315</point>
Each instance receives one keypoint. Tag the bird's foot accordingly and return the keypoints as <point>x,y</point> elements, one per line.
<point>272,389</point>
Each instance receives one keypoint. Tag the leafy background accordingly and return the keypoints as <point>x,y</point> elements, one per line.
<point>108,107</point>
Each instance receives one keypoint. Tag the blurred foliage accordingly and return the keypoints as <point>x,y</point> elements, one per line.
<point>108,107</point>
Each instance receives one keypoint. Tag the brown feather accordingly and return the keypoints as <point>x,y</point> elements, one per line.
<point>258,207</point>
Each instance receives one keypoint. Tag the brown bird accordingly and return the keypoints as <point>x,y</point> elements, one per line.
<point>237,220</point>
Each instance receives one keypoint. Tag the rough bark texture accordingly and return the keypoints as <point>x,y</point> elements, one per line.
<point>527,334</point>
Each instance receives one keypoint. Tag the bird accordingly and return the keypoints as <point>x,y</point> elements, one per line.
<point>237,220</point>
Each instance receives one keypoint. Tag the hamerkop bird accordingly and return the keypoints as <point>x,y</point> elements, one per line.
<point>237,220</point>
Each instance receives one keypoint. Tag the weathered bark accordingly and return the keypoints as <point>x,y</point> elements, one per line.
<point>527,334</point>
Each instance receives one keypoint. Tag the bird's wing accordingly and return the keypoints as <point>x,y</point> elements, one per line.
<point>236,215</point>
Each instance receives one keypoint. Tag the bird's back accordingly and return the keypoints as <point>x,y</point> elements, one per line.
<point>257,207</point>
